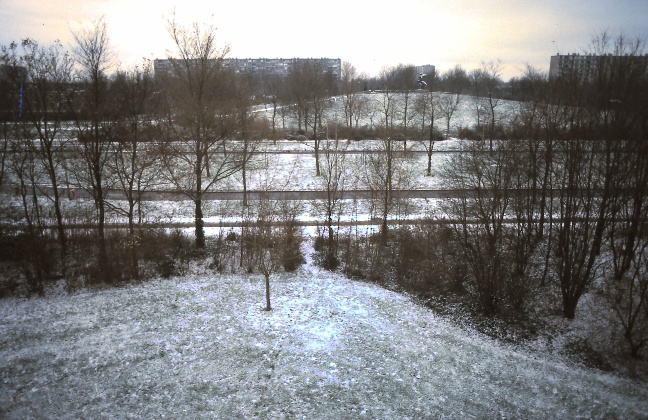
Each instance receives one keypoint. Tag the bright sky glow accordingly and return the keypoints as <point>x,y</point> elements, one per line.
<point>369,34</point>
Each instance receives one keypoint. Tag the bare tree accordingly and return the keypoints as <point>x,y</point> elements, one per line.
<point>454,82</point>
<point>94,124</point>
<point>135,155</point>
<point>628,239</point>
<point>198,118</point>
<point>381,168</point>
<point>274,239</point>
<point>349,81</point>
<point>407,78</point>
<point>448,105</point>
<point>477,77</point>
<point>486,182</point>
<point>11,86</point>
<point>618,98</point>
<point>266,245</point>
<point>387,103</point>
<point>579,229</point>
<point>491,72</point>
<point>608,111</point>
<point>275,91</point>
<point>25,168</point>
<point>333,183</point>
<point>49,71</point>
<point>319,85</point>
<point>298,92</point>
<point>362,109</point>
<point>427,105</point>
<point>242,106</point>
<point>541,120</point>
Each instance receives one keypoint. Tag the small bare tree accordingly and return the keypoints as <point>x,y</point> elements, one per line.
<point>274,240</point>
<point>427,105</point>
<point>266,244</point>
<point>448,105</point>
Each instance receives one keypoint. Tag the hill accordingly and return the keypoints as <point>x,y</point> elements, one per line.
<point>201,346</point>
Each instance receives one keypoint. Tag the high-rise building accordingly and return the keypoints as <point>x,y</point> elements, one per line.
<point>275,66</point>
<point>587,66</point>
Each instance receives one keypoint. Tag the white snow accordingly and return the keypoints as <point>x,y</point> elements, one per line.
<point>201,346</point>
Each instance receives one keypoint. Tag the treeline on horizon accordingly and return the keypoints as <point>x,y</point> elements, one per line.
<point>555,204</point>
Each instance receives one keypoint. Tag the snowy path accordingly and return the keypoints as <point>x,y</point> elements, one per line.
<point>201,347</point>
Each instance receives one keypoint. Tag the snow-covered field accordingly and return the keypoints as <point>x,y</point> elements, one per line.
<point>201,347</point>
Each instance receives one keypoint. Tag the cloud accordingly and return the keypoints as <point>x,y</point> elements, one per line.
<point>369,34</point>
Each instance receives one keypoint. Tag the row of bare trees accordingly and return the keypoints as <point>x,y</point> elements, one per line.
<point>558,204</point>
<point>567,203</point>
<point>69,122</point>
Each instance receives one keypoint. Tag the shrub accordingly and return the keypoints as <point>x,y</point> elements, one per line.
<point>292,257</point>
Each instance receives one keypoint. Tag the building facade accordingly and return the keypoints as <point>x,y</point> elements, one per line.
<point>587,66</point>
<point>271,66</point>
<point>427,69</point>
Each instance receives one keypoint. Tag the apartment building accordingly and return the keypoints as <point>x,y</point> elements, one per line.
<point>275,66</point>
<point>585,67</point>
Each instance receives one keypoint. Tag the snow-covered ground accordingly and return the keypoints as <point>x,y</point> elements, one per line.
<point>201,347</point>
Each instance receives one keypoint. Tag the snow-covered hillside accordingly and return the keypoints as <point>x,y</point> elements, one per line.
<point>201,347</point>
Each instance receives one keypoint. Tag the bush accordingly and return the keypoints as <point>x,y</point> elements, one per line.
<point>324,257</point>
<point>292,257</point>
<point>31,262</point>
<point>467,133</point>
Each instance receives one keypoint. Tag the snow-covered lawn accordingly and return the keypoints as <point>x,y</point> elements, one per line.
<point>201,347</point>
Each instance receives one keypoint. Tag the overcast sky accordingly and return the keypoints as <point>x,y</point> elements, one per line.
<point>370,34</point>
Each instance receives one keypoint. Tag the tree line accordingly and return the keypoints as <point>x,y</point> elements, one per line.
<point>554,201</point>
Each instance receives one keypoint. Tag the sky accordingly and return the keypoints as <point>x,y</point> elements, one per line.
<point>371,35</point>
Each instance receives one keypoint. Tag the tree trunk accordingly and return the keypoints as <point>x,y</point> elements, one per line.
<point>101,207</point>
<point>199,223</point>
<point>429,151</point>
<point>569,306</point>
<point>198,214</point>
<point>316,145</point>
<point>244,172</point>
<point>331,238</point>
<point>267,291</point>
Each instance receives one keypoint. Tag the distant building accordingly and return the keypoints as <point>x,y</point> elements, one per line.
<point>586,67</point>
<point>273,66</point>
<point>428,69</point>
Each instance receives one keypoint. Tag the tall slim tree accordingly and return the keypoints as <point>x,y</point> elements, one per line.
<point>93,120</point>
<point>333,182</point>
<point>198,117</point>
<point>135,157</point>
<point>427,105</point>
<point>49,72</point>
<point>491,71</point>
<point>349,86</point>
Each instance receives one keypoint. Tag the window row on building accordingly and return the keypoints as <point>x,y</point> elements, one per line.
<point>272,66</point>
<point>587,66</point>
